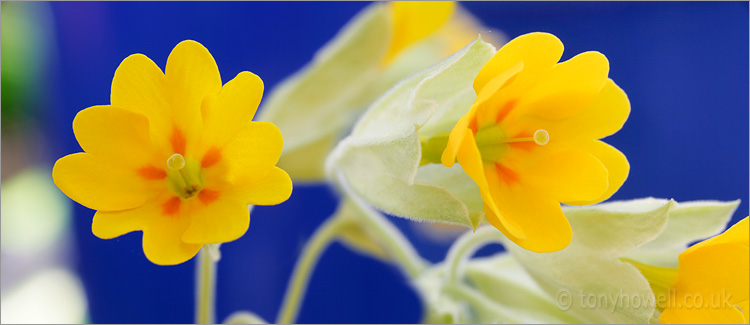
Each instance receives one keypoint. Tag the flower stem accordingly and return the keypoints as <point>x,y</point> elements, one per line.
<point>481,302</point>
<point>394,241</point>
<point>205,287</point>
<point>323,236</point>
<point>465,247</point>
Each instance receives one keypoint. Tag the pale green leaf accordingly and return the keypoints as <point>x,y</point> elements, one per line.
<point>688,222</point>
<point>600,287</point>
<point>380,159</point>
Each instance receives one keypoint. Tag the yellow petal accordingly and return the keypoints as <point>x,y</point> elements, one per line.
<point>140,87</point>
<point>456,136</point>
<point>568,176</point>
<point>715,269</point>
<point>614,161</point>
<point>273,188</point>
<point>567,89</point>
<point>162,237</point>
<point>253,152</point>
<point>221,220</point>
<point>101,184</point>
<point>712,280</point>
<point>472,164</point>
<point>232,109</point>
<point>538,51</point>
<point>489,100</point>
<point>544,225</point>
<point>702,316</point>
<point>603,117</point>
<point>114,133</point>
<point>414,20</point>
<point>111,224</point>
<point>191,76</point>
<point>745,306</point>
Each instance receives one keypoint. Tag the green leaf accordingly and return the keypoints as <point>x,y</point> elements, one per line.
<point>688,222</point>
<point>381,158</point>
<point>317,105</point>
<point>601,288</point>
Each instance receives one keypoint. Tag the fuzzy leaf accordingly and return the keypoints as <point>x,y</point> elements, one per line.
<point>381,158</point>
<point>601,288</point>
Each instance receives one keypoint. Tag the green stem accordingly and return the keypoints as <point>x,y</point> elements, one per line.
<point>394,241</point>
<point>465,247</point>
<point>481,302</point>
<point>323,236</point>
<point>205,287</point>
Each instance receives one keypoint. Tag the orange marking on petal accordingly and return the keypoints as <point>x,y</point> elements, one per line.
<point>178,141</point>
<point>172,206</point>
<point>505,110</point>
<point>212,156</point>
<point>506,174</point>
<point>207,196</point>
<point>152,173</point>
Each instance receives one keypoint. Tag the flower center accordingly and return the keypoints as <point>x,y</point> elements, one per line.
<point>184,176</point>
<point>493,142</point>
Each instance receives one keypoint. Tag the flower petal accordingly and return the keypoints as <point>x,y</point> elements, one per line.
<point>140,87</point>
<point>539,53</point>
<point>274,188</point>
<point>614,161</point>
<point>603,117</point>
<point>471,161</point>
<point>568,176</point>
<point>191,76</point>
<point>232,109</point>
<point>221,220</point>
<point>539,217</point>
<point>567,89</point>
<point>715,269</point>
<point>162,237</point>
<point>253,152</point>
<point>457,133</point>
<point>414,20</point>
<point>101,184</point>
<point>115,133</point>
<point>702,316</point>
<point>111,224</point>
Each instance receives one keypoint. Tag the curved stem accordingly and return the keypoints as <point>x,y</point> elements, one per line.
<point>482,303</point>
<point>323,236</point>
<point>465,247</point>
<point>205,287</point>
<point>394,241</point>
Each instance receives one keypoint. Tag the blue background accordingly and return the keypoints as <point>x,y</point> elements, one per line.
<point>684,67</point>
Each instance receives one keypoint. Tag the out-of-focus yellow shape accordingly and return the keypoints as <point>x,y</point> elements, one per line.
<point>531,139</point>
<point>176,155</point>
<point>712,281</point>
<point>415,20</point>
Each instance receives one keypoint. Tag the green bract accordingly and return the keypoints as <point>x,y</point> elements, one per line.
<point>317,105</point>
<point>381,157</point>
<point>590,275</point>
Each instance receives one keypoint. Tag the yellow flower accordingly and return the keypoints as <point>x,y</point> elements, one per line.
<point>530,140</point>
<point>415,20</point>
<point>712,281</point>
<point>176,155</point>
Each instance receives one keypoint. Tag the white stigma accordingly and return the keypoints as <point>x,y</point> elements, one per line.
<point>541,137</point>
<point>176,162</point>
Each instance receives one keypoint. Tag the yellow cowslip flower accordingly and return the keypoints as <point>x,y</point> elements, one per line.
<point>415,20</point>
<point>530,140</point>
<point>711,285</point>
<point>176,155</point>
